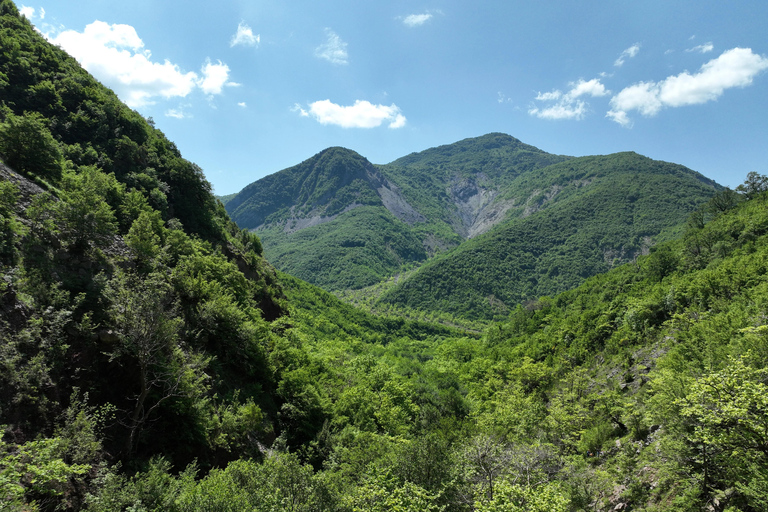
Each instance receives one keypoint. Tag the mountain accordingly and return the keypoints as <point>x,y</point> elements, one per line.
<point>333,220</point>
<point>565,222</point>
<point>491,221</point>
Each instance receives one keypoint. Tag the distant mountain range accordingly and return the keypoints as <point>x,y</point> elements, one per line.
<point>490,221</point>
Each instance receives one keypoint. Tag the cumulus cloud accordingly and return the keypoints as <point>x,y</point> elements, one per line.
<point>415,20</point>
<point>734,68</point>
<point>115,54</point>
<point>627,54</point>
<point>242,104</point>
<point>568,105</point>
<point>334,49</point>
<point>362,114</point>
<point>27,12</point>
<point>587,88</point>
<point>702,48</point>
<point>215,78</point>
<point>244,36</point>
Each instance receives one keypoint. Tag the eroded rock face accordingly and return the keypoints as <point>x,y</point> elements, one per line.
<point>477,206</point>
<point>397,205</point>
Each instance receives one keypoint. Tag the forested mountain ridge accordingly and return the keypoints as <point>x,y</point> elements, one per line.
<point>327,219</point>
<point>492,221</point>
<point>582,217</point>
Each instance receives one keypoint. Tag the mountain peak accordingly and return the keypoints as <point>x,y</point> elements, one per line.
<point>495,148</point>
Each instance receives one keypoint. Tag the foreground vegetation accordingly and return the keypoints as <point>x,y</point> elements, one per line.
<point>151,359</point>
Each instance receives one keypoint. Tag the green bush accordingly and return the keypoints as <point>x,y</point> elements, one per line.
<point>27,145</point>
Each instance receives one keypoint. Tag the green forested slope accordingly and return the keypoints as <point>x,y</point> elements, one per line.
<point>323,221</point>
<point>360,248</point>
<point>583,217</point>
<point>134,314</point>
<point>323,186</point>
<point>45,90</point>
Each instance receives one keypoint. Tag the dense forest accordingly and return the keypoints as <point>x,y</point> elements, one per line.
<point>151,359</point>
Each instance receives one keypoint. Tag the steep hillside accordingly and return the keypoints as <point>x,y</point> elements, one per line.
<point>577,219</point>
<point>133,311</point>
<point>333,220</point>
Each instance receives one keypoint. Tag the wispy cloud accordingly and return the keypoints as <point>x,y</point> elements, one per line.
<point>734,68</point>
<point>702,48</point>
<point>568,105</point>
<point>415,20</point>
<point>176,113</point>
<point>627,54</point>
<point>244,36</point>
<point>334,49</point>
<point>115,54</point>
<point>362,114</point>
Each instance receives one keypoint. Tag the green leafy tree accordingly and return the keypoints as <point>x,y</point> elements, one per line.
<point>144,236</point>
<point>32,471</point>
<point>85,216</point>
<point>729,411</point>
<point>519,498</point>
<point>9,226</point>
<point>144,316</point>
<point>27,145</point>
<point>754,185</point>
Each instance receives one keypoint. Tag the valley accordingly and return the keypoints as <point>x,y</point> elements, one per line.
<point>535,332</point>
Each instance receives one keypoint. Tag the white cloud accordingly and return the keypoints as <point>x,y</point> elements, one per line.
<point>362,114</point>
<point>573,110</point>
<point>702,48</point>
<point>334,49</point>
<point>568,105</point>
<point>27,12</point>
<point>587,88</point>
<point>42,13</point>
<point>627,54</point>
<point>215,77</point>
<point>734,68</point>
<point>244,36</point>
<point>115,54</point>
<point>176,113</point>
<point>242,104</point>
<point>415,20</point>
<point>549,96</point>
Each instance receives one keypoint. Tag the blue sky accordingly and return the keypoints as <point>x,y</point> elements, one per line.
<point>246,88</point>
